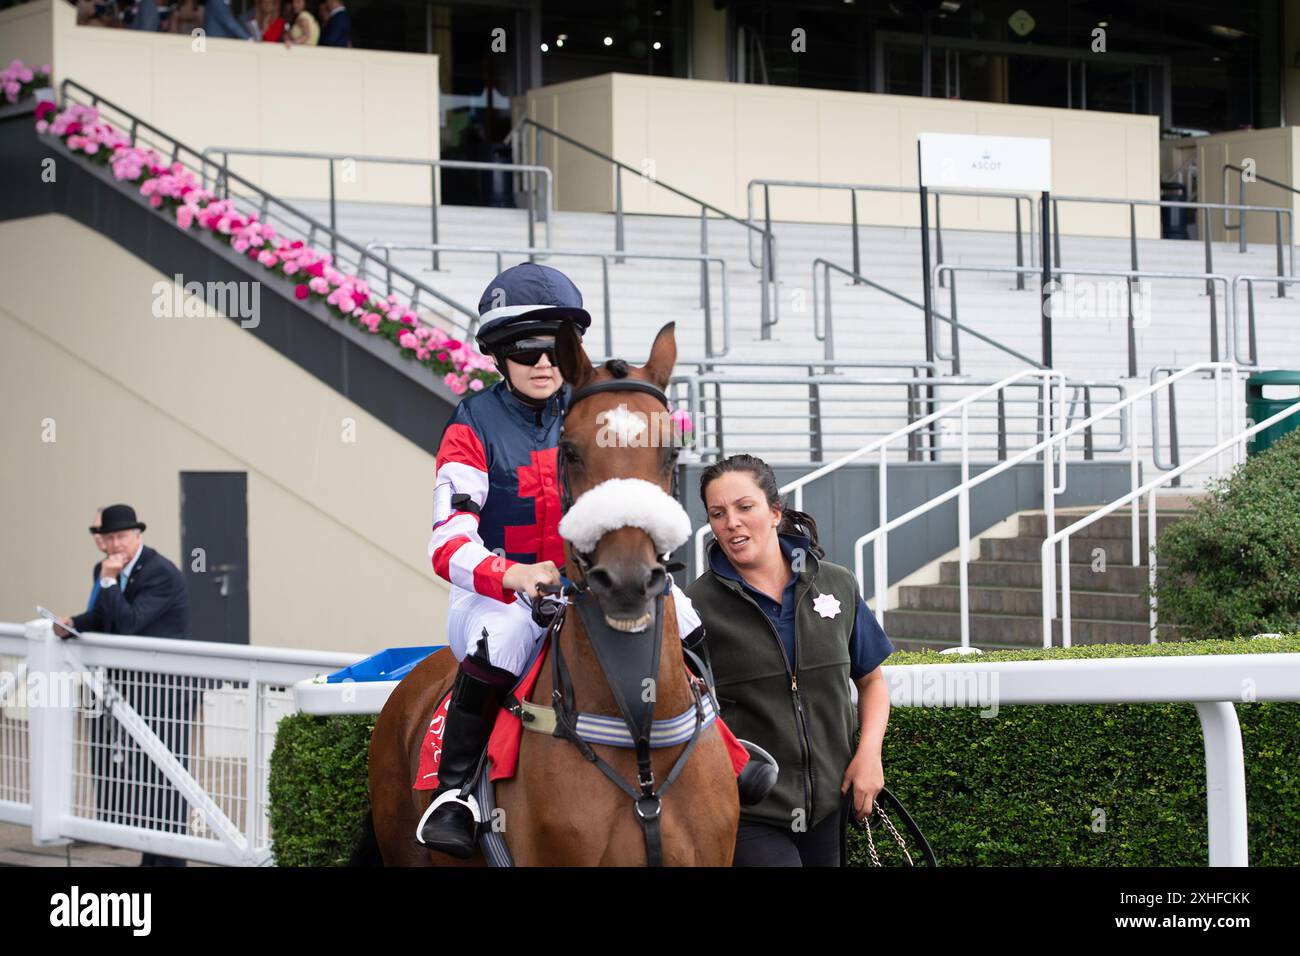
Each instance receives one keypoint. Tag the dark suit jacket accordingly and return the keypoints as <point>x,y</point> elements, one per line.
<point>337,30</point>
<point>155,603</point>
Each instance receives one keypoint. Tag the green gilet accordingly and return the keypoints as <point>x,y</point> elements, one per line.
<point>805,719</point>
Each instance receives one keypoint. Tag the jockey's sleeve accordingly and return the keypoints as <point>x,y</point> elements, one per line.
<point>687,619</point>
<point>459,493</point>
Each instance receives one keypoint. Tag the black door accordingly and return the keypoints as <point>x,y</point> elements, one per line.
<point>214,553</point>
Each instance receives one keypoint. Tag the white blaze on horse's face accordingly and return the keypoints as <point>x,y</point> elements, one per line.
<point>621,428</point>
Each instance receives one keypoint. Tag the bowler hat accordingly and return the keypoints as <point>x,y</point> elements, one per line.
<point>118,518</point>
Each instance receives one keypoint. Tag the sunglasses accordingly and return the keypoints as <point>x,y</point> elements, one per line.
<point>530,351</point>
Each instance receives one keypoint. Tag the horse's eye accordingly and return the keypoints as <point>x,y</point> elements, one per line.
<point>570,454</point>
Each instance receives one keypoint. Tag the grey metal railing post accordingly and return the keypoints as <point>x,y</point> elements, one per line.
<point>1133,260</point>
<point>1241,213</point>
<point>433,215</point>
<point>1020,247</point>
<point>609,319</point>
<point>1002,423</point>
<point>938,238</point>
<point>704,250</point>
<point>1281,268</point>
<point>225,175</point>
<point>1209,290</point>
<point>952,313</point>
<point>1087,414</point>
<point>1173,437</point>
<point>334,223</point>
<point>618,211</point>
<point>828,348</point>
<point>1056,237</point>
<point>815,446</point>
<point>766,289</point>
<point>1250,318</point>
<point>857,256</point>
<point>913,437</point>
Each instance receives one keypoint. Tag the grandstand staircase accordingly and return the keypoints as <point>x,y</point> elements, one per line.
<point>1108,605</point>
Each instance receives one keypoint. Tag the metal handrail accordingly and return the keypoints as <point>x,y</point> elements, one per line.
<point>828,334</point>
<point>266,201</point>
<point>1279,211</point>
<point>1240,224</point>
<point>604,256</point>
<point>705,409</point>
<point>547,209</point>
<point>1249,281</point>
<point>770,303</point>
<point>881,444</point>
<point>1210,278</point>
<point>1237,443</point>
<point>855,188</point>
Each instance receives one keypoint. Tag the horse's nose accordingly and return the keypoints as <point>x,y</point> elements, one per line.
<point>627,587</point>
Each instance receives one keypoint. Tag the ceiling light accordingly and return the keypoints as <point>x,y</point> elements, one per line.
<point>609,41</point>
<point>657,45</point>
<point>545,48</point>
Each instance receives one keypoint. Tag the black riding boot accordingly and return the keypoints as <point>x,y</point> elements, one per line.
<point>475,701</point>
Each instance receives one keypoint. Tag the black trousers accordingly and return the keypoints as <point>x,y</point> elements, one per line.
<point>763,844</point>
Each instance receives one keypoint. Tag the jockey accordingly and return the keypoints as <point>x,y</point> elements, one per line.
<point>496,511</point>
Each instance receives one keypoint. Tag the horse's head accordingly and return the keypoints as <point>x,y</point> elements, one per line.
<point>616,458</point>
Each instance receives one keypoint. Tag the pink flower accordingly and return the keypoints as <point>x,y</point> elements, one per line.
<point>444,357</point>
<point>476,384</point>
<point>266,258</point>
<point>301,291</point>
<point>184,216</point>
<point>408,341</point>
<point>319,285</point>
<point>290,268</point>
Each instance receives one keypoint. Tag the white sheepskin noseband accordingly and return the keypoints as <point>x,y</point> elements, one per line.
<point>626,503</point>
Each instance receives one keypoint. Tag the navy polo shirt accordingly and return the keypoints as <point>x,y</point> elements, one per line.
<point>868,647</point>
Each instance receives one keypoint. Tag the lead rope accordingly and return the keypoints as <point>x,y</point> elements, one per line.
<point>871,843</point>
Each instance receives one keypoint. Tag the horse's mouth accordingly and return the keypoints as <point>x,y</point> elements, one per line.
<point>630,625</point>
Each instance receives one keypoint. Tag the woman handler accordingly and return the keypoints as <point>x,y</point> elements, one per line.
<point>786,632</point>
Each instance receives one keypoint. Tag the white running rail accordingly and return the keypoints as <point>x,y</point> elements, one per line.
<point>150,744</point>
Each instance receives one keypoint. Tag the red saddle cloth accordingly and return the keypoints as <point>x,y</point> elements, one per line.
<point>508,731</point>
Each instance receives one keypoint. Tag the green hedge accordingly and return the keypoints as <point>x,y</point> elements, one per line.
<point>1017,789</point>
<point>1233,565</point>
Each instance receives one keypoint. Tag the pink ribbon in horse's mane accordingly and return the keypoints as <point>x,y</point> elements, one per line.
<point>626,503</point>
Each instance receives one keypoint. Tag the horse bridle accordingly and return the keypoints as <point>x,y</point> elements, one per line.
<point>614,648</point>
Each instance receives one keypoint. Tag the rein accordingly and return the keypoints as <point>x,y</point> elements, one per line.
<point>625,662</point>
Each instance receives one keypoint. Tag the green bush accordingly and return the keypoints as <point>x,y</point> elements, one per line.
<point>1232,567</point>
<point>1023,788</point>
<point>1018,789</point>
<point>318,788</point>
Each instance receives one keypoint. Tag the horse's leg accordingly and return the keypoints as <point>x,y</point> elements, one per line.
<point>395,757</point>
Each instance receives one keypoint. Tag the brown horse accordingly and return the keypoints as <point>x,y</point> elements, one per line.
<point>559,809</point>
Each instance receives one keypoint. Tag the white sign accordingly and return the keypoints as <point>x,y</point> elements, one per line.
<point>1012,163</point>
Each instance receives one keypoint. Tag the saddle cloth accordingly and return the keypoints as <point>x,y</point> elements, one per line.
<point>508,731</point>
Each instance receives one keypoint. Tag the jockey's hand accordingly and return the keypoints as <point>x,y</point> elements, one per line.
<point>526,577</point>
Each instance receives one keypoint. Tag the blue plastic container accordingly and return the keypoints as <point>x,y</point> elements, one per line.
<point>391,664</point>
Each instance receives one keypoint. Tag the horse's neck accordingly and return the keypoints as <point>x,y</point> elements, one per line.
<point>591,692</point>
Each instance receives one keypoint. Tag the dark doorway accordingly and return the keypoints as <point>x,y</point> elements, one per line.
<point>214,553</point>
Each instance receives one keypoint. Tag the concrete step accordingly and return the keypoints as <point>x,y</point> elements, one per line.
<point>1022,601</point>
<point>1011,631</point>
<point>1082,549</point>
<point>1117,578</point>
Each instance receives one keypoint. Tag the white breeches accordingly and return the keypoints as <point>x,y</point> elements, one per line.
<point>512,639</point>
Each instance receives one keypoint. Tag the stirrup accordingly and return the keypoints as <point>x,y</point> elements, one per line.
<point>450,796</point>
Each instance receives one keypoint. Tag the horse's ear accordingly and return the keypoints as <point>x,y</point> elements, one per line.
<point>663,356</point>
<point>575,366</point>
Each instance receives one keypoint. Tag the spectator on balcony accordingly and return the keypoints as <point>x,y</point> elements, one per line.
<point>146,16</point>
<point>337,28</point>
<point>305,31</point>
<point>268,24</point>
<point>186,17</point>
<point>219,21</point>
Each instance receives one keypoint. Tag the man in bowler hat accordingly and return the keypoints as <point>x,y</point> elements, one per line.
<point>140,593</point>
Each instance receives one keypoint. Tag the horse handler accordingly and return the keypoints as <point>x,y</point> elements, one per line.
<point>496,514</point>
<point>787,631</point>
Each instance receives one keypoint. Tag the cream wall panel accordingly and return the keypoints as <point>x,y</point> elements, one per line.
<point>337,530</point>
<point>266,96</point>
<point>25,34</point>
<point>711,138</point>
